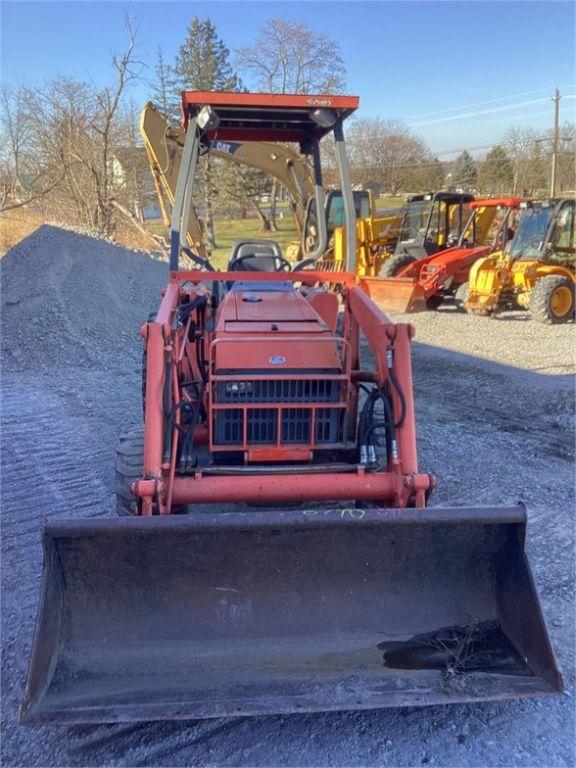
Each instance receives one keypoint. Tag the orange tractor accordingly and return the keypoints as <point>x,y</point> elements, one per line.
<point>414,284</point>
<point>308,573</point>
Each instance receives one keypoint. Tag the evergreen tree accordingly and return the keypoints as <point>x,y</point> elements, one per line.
<point>203,64</point>
<point>203,61</point>
<point>496,173</point>
<point>464,175</point>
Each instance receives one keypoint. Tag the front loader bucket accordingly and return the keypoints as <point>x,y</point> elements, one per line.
<point>396,294</point>
<point>226,614</point>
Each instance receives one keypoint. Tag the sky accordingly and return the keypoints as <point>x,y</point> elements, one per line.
<point>458,73</point>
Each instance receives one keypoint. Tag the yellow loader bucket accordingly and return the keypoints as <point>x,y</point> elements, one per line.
<point>243,613</point>
<point>397,294</point>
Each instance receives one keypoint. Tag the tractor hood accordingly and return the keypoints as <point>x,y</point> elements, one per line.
<point>274,327</point>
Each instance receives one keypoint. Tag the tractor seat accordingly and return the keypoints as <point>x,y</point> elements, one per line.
<point>256,256</point>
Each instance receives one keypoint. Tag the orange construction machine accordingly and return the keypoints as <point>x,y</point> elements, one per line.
<point>416,284</point>
<point>308,573</point>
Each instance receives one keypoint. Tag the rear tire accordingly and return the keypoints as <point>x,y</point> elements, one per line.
<point>395,264</point>
<point>129,461</point>
<point>552,300</point>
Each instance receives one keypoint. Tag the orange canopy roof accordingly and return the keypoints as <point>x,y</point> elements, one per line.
<point>266,116</point>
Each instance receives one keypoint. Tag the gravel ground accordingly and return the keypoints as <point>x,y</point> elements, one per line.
<point>494,402</point>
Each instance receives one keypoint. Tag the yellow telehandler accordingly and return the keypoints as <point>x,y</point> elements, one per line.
<point>536,269</point>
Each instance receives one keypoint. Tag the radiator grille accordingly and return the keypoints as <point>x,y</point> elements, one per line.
<point>262,424</point>
<point>279,391</point>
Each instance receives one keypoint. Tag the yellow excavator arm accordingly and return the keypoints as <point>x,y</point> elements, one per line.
<point>164,142</point>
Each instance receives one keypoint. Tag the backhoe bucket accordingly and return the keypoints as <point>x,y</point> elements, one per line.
<point>226,614</point>
<point>396,294</point>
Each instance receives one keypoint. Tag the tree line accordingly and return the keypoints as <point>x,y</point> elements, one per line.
<point>72,150</point>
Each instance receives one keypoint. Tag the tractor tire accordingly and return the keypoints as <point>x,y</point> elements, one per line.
<point>129,460</point>
<point>461,296</point>
<point>481,312</point>
<point>552,300</point>
<point>396,264</point>
<point>435,301</point>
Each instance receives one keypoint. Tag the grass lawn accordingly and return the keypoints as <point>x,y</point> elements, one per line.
<point>389,202</point>
<point>229,230</point>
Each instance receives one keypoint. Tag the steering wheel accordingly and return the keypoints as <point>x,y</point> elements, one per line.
<point>285,265</point>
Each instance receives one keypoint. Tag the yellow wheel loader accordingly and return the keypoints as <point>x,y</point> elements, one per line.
<point>376,236</point>
<point>536,269</point>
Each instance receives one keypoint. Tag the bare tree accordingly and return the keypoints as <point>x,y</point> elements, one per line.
<point>525,149</point>
<point>127,69</point>
<point>289,57</point>
<point>163,87</point>
<point>73,150</point>
<point>567,161</point>
<point>22,180</point>
<point>385,152</point>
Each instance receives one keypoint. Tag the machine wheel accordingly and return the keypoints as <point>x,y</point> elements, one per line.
<point>129,460</point>
<point>396,264</point>
<point>433,302</point>
<point>552,300</point>
<point>461,295</point>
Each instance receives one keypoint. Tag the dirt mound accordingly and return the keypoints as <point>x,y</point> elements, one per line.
<point>69,299</point>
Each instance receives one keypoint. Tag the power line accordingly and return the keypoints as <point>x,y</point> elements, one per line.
<point>479,112</point>
<point>477,103</point>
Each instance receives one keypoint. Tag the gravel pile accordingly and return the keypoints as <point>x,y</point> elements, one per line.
<point>69,299</point>
<point>494,403</point>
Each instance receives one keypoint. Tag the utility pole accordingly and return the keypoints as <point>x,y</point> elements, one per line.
<point>555,140</point>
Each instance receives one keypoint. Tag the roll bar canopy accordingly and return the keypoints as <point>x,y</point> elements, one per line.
<point>302,118</point>
<point>267,116</point>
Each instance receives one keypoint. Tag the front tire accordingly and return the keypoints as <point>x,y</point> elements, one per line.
<point>435,301</point>
<point>129,461</point>
<point>552,300</point>
<point>395,264</point>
